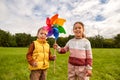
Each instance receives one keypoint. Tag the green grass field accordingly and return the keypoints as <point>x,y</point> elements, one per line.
<point>13,65</point>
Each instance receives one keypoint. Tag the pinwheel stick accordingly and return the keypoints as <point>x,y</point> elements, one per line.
<point>54,55</point>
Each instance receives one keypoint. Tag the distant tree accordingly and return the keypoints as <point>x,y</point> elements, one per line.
<point>3,38</point>
<point>12,41</point>
<point>62,41</point>
<point>51,41</point>
<point>97,41</point>
<point>23,39</point>
<point>92,40</point>
<point>108,43</point>
<point>6,39</point>
<point>33,38</point>
<point>117,41</point>
<point>70,37</point>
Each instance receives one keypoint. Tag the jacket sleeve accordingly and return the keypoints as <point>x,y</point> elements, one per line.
<point>51,58</point>
<point>30,53</point>
<point>62,50</point>
<point>89,56</point>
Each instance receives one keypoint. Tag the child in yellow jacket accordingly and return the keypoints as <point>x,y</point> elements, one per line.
<point>38,56</point>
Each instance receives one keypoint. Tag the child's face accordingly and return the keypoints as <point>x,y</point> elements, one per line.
<point>78,30</point>
<point>42,34</point>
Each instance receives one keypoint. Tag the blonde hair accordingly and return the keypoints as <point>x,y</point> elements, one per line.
<point>83,35</point>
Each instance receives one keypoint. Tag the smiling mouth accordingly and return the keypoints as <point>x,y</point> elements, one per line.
<point>77,32</point>
<point>43,38</point>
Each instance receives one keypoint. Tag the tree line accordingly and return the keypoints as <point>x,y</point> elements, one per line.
<point>24,40</point>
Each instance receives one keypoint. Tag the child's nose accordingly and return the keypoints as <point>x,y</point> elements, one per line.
<point>78,28</point>
<point>44,35</point>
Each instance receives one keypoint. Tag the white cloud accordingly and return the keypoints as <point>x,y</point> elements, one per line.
<point>27,16</point>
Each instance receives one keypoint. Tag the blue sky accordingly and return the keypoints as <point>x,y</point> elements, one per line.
<point>99,16</point>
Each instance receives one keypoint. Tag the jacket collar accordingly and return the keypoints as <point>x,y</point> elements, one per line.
<point>41,41</point>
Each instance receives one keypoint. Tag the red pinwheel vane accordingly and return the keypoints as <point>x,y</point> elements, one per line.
<point>55,26</point>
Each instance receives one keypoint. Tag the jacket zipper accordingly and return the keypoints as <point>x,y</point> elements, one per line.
<point>44,55</point>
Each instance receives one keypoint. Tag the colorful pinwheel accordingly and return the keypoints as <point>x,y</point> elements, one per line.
<point>55,26</point>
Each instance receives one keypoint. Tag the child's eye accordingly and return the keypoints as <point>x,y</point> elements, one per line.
<point>43,33</point>
<point>78,28</point>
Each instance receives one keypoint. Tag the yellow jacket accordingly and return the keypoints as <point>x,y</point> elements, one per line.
<point>40,55</point>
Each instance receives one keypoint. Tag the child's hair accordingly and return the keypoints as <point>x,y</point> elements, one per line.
<point>83,35</point>
<point>42,28</point>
